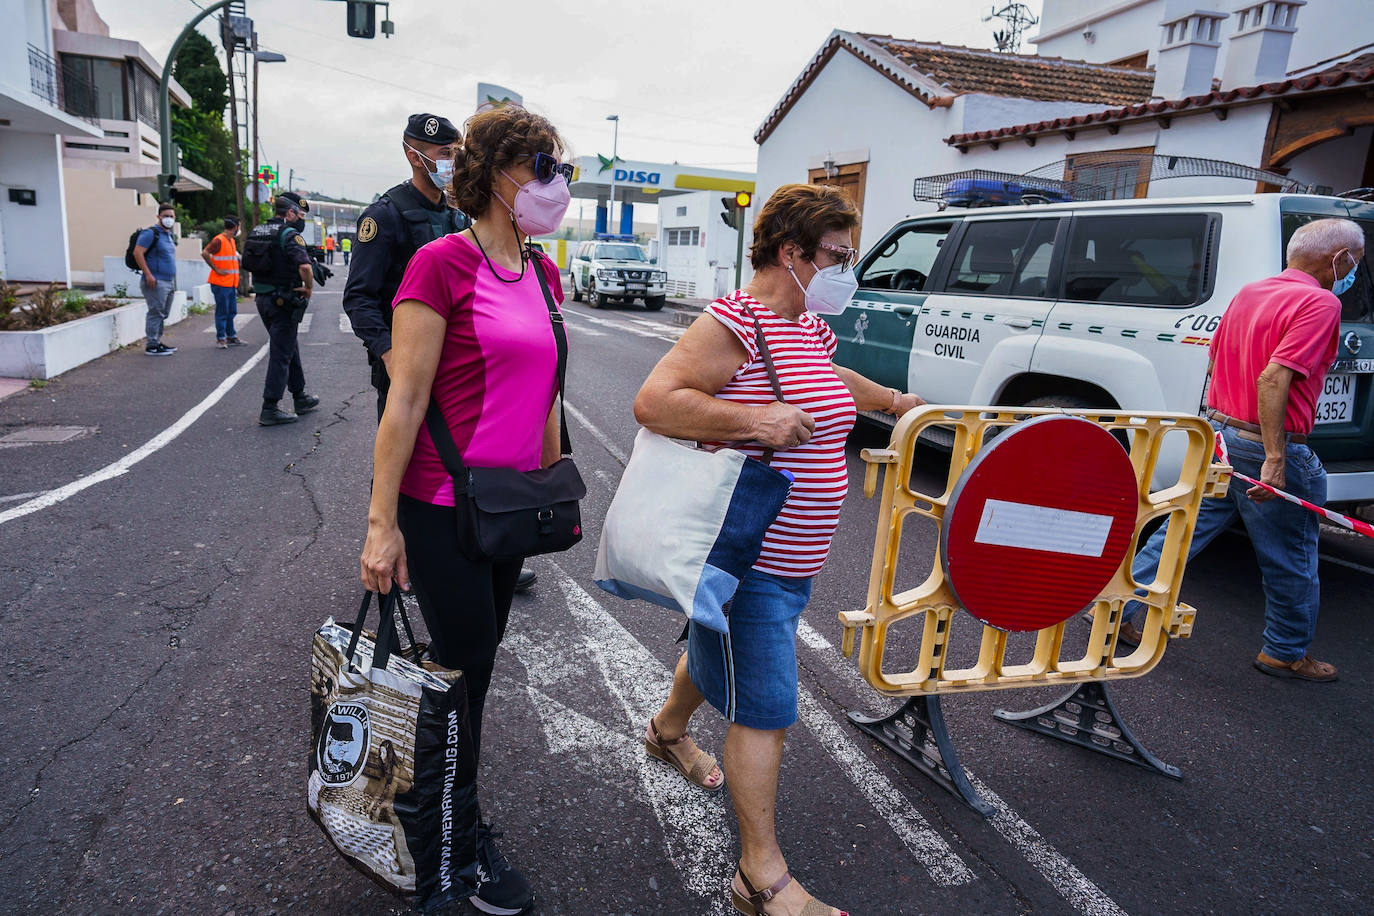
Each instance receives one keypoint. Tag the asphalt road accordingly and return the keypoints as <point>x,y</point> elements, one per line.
<point>154,715</point>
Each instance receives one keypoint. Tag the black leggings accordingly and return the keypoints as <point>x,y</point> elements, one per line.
<point>465,604</point>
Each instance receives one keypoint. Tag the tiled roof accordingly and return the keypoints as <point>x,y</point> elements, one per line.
<point>1357,71</point>
<point>1020,76</point>
<point>936,73</point>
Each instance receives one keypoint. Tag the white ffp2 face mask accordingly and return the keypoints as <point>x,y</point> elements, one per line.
<point>830,290</point>
<point>168,222</point>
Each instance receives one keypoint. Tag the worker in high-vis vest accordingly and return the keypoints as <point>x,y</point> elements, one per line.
<point>222,254</point>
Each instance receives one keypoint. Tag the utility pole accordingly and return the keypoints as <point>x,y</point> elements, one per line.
<point>257,197</point>
<point>230,42</point>
<point>171,158</point>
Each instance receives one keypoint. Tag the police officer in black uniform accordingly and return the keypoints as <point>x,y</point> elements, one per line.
<point>390,231</point>
<point>283,281</point>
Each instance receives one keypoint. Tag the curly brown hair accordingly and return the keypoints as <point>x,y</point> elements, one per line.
<point>800,213</point>
<point>492,140</point>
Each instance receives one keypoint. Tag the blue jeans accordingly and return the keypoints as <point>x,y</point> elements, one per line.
<point>226,307</point>
<point>1284,537</point>
<point>750,676</point>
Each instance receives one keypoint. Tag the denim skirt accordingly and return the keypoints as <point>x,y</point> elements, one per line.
<point>750,675</point>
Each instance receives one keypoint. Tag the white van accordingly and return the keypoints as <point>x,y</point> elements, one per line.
<point>1098,304</point>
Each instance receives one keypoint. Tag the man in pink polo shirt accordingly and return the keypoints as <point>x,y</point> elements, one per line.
<point>1269,359</point>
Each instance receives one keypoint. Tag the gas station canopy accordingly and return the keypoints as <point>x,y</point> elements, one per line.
<point>645,182</point>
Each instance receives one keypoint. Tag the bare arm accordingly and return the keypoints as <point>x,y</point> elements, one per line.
<point>1272,395</point>
<point>869,395</point>
<point>207,251</point>
<point>553,442</point>
<point>308,281</point>
<point>418,334</point>
<point>678,398</point>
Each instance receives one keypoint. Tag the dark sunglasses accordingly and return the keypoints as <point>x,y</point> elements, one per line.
<point>546,168</point>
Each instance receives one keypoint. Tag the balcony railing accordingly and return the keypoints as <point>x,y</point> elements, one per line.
<point>58,89</point>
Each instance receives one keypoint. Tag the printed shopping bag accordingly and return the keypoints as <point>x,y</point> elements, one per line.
<point>392,766</point>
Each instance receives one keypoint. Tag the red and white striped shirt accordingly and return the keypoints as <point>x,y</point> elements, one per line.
<point>798,542</point>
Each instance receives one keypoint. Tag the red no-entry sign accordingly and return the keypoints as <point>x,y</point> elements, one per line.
<point>1039,523</point>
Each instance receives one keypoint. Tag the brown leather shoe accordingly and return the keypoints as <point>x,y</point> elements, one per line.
<point>1129,635</point>
<point>1306,668</point>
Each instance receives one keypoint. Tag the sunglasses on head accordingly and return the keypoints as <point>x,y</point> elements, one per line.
<point>546,168</point>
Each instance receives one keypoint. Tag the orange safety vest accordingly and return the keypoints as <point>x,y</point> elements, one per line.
<point>227,260</point>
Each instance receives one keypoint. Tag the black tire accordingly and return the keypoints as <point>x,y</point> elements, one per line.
<point>654,303</point>
<point>576,293</point>
<point>594,299</point>
<point>1073,402</point>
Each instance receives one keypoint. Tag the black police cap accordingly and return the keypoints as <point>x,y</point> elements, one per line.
<point>430,128</point>
<point>292,199</point>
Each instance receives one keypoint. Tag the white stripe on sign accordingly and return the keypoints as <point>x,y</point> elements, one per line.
<point>1063,875</point>
<point>1008,524</point>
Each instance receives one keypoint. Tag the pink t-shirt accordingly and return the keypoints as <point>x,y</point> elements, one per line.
<point>1290,320</point>
<point>798,542</point>
<point>495,381</point>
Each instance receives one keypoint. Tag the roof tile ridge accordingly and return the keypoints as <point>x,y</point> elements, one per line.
<point>999,55</point>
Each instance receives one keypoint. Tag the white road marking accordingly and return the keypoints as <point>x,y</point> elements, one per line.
<point>1327,558</point>
<point>1063,875</point>
<point>18,496</point>
<point>658,332</point>
<point>305,323</point>
<point>606,442</point>
<point>345,325</point>
<point>117,468</point>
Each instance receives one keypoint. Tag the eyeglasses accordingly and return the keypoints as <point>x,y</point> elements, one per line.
<point>845,257</point>
<point>546,168</point>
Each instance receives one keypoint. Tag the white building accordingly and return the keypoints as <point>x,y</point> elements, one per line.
<point>1246,85</point>
<point>33,222</point>
<point>696,247</point>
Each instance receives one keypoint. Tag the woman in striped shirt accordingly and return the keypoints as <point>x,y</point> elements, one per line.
<point>714,387</point>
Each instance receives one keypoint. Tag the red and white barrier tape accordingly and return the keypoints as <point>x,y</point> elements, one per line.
<point>1353,524</point>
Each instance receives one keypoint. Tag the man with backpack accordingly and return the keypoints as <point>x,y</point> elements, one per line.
<point>154,254</point>
<point>283,281</point>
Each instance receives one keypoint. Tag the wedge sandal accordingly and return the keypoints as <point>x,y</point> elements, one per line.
<point>753,905</point>
<point>694,771</point>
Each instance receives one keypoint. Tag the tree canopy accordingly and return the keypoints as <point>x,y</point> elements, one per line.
<point>207,145</point>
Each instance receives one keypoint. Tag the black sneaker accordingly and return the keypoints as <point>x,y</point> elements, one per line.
<point>275,416</point>
<point>159,349</point>
<point>500,888</point>
<point>526,580</point>
<point>306,403</point>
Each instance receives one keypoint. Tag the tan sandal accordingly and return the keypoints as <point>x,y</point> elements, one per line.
<point>695,772</point>
<point>753,904</point>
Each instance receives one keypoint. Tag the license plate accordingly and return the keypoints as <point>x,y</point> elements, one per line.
<point>635,287</point>
<point>1337,403</point>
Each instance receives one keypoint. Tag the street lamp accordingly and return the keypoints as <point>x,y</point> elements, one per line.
<point>615,141</point>
<point>263,57</point>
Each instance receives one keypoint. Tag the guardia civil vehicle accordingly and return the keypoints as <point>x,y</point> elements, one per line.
<point>606,271</point>
<point>1108,303</point>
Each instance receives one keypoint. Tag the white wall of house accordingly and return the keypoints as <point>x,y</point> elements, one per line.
<point>1240,138</point>
<point>35,238</point>
<point>1338,163</point>
<point>1326,28</point>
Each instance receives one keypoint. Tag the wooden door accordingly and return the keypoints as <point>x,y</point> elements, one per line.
<point>850,178</point>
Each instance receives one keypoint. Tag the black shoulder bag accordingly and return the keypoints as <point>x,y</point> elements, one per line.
<point>505,514</point>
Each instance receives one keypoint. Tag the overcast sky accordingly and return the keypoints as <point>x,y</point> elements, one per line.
<point>691,80</point>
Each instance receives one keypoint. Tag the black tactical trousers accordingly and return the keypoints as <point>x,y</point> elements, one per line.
<point>283,355</point>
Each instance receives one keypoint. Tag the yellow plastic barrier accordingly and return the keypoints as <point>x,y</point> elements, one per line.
<point>933,603</point>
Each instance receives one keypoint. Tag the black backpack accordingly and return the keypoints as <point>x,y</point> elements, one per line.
<point>259,249</point>
<point>129,261</point>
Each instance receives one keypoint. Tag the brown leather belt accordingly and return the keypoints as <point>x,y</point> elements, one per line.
<point>1250,430</point>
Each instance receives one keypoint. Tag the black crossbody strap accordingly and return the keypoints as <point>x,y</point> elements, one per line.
<point>772,370</point>
<point>438,428</point>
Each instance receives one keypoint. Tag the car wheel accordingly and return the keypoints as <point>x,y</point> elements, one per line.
<point>576,293</point>
<point>1073,402</point>
<point>654,303</point>
<point>594,299</point>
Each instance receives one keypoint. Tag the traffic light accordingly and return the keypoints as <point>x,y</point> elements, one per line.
<point>732,216</point>
<point>362,20</point>
<point>743,199</point>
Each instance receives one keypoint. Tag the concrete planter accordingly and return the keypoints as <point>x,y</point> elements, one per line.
<point>51,351</point>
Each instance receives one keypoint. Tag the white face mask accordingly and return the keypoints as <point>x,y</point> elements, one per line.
<point>830,289</point>
<point>441,174</point>
<point>168,222</point>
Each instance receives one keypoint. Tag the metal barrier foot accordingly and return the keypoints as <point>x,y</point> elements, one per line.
<point>1086,717</point>
<point>917,734</point>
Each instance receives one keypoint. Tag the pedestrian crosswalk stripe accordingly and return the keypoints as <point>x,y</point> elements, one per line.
<point>345,325</point>
<point>242,321</point>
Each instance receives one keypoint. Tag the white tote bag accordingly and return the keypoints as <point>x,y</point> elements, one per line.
<point>686,525</point>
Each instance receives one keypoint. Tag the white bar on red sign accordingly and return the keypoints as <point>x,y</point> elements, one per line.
<point>1008,524</point>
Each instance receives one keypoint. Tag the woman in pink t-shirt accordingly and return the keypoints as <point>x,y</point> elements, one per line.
<point>471,329</point>
<point>713,387</point>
